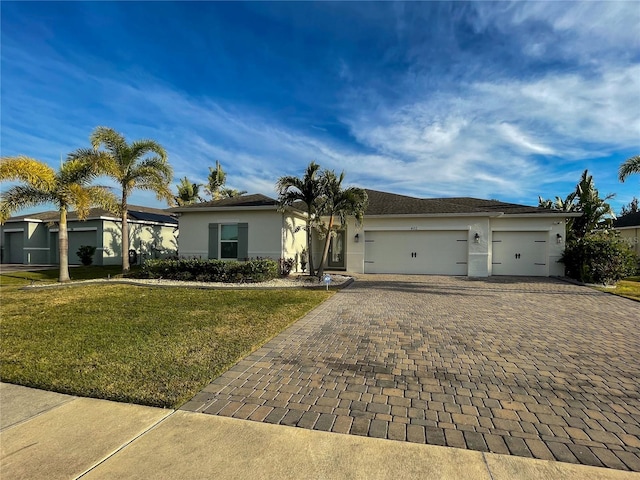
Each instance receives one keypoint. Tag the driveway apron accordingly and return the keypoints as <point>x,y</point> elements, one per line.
<point>523,366</point>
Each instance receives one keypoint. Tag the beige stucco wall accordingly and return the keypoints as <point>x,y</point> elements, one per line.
<point>271,233</point>
<point>632,236</point>
<point>293,241</point>
<point>479,258</point>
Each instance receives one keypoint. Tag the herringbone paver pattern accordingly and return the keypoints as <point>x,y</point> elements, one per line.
<point>531,367</point>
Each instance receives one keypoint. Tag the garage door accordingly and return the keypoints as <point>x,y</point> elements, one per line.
<point>419,252</point>
<point>520,253</point>
<point>13,249</point>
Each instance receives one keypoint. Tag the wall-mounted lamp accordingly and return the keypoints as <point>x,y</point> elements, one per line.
<point>558,238</point>
<point>357,238</point>
<point>476,238</point>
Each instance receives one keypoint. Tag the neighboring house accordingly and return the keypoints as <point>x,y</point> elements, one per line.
<point>33,238</point>
<point>629,228</point>
<point>400,234</point>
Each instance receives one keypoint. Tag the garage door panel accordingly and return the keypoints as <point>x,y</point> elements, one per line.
<point>76,240</point>
<point>417,252</point>
<point>520,253</point>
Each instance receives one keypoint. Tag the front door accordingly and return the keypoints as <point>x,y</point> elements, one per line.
<point>336,250</point>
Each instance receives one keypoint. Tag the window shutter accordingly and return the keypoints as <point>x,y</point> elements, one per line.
<point>213,240</point>
<point>243,241</point>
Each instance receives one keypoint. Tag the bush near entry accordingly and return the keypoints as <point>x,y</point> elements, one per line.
<point>599,257</point>
<point>259,270</point>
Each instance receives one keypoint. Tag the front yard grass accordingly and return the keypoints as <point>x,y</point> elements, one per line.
<point>146,345</point>
<point>629,288</point>
<point>51,275</point>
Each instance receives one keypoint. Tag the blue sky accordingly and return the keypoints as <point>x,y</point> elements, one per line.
<point>491,100</point>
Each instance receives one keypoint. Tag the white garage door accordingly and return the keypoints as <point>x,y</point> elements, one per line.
<point>419,252</point>
<point>520,253</point>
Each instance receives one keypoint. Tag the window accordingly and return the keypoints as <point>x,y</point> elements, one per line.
<point>229,241</point>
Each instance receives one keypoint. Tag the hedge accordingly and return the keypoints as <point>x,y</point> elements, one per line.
<point>600,257</point>
<point>259,270</point>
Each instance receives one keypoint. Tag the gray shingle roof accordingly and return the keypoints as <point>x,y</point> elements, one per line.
<point>136,212</point>
<point>628,220</point>
<point>383,203</point>
<point>252,200</point>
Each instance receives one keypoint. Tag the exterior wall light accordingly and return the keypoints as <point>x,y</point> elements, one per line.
<point>476,238</point>
<point>558,238</point>
<point>357,238</point>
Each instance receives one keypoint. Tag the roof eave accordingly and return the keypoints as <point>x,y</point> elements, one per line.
<point>435,215</point>
<point>193,209</point>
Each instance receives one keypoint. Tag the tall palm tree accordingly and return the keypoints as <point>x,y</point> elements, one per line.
<point>307,190</point>
<point>341,203</point>
<point>629,167</point>
<point>141,164</point>
<point>188,193</point>
<point>69,188</point>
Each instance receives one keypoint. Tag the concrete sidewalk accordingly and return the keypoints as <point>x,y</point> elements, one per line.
<point>50,435</point>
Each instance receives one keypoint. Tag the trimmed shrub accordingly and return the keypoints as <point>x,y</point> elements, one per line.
<point>600,257</point>
<point>85,254</point>
<point>258,270</point>
<point>286,265</point>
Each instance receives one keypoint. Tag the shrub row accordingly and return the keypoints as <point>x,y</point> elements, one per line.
<point>259,270</point>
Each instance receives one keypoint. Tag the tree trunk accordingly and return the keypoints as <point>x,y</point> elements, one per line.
<point>309,244</point>
<point>63,246</point>
<point>125,235</point>
<point>325,251</point>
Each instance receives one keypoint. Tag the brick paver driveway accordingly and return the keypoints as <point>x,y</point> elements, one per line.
<point>531,367</point>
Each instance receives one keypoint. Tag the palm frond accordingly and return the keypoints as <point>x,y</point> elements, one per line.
<point>114,142</point>
<point>140,148</point>
<point>19,197</point>
<point>29,171</point>
<point>629,167</point>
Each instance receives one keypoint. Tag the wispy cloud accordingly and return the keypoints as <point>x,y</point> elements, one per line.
<point>500,100</point>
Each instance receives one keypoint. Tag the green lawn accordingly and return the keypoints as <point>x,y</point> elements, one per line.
<point>153,346</point>
<point>629,288</point>
<point>51,276</point>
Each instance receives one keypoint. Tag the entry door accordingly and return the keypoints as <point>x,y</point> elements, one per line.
<point>520,253</point>
<point>336,250</point>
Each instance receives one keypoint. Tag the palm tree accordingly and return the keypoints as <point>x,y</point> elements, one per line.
<point>141,164</point>
<point>188,193</point>
<point>595,210</point>
<point>217,179</point>
<point>307,190</point>
<point>340,203</point>
<point>231,193</point>
<point>67,189</point>
<point>629,167</point>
